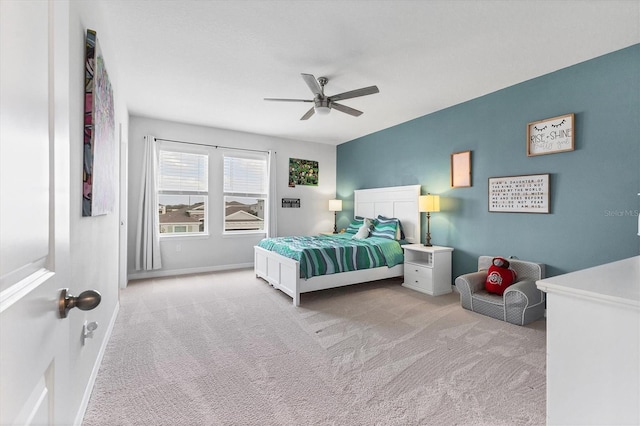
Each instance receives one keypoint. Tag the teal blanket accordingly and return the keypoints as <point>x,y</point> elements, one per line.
<point>331,254</point>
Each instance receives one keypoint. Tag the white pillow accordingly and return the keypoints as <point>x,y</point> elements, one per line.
<point>364,230</point>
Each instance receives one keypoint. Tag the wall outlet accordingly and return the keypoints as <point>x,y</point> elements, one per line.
<point>178,247</point>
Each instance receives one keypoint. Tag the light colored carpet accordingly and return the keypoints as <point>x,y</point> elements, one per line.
<point>227,349</point>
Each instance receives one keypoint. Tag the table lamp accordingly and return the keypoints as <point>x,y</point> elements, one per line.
<point>429,203</point>
<point>335,206</point>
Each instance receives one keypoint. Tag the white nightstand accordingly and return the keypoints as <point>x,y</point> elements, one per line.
<point>427,269</point>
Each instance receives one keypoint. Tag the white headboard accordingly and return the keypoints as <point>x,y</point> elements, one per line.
<point>396,201</point>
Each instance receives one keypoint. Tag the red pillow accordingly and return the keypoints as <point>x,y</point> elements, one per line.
<point>499,276</point>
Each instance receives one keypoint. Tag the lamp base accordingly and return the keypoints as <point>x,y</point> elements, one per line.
<point>427,241</point>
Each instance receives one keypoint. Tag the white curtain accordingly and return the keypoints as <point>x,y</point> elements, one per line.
<point>273,197</point>
<point>148,233</point>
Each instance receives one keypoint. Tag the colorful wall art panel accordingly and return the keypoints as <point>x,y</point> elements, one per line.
<point>99,167</point>
<point>303,172</point>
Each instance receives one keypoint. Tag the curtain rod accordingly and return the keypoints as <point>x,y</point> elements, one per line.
<point>211,146</point>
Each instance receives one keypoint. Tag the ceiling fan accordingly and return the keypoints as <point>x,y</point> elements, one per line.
<point>323,104</point>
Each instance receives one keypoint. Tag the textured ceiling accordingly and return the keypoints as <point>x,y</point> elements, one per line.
<point>212,62</point>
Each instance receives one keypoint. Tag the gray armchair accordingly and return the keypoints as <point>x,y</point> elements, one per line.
<point>521,302</point>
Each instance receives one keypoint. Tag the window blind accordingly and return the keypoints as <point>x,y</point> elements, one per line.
<point>182,171</point>
<point>244,175</point>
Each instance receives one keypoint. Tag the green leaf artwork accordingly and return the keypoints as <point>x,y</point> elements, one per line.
<point>303,172</point>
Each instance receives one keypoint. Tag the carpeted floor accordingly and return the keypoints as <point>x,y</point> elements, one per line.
<point>227,349</point>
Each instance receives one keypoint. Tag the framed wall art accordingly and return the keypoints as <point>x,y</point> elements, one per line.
<point>99,166</point>
<point>289,203</point>
<point>519,194</point>
<point>303,172</point>
<point>461,169</point>
<point>551,135</point>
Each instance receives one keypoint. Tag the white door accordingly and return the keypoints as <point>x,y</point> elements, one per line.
<point>34,212</point>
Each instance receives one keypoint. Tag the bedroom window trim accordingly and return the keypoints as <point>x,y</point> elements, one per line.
<point>183,173</point>
<point>245,181</point>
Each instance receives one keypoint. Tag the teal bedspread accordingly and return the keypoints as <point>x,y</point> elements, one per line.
<point>330,254</point>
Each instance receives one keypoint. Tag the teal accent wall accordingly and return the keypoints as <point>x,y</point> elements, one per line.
<point>594,189</point>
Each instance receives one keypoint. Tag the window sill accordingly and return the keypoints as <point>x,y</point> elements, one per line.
<point>243,234</point>
<point>183,236</point>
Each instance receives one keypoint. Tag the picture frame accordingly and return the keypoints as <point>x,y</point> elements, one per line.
<point>99,145</point>
<point>461,169</point>
<point>303,172</point>
<point>551,135</point>
<point>289,203</point>
<point>519,194</point>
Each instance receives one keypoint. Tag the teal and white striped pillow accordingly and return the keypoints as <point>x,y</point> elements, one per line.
<point>355,225</point>
<point>400,232</point>
<point>386,228</point>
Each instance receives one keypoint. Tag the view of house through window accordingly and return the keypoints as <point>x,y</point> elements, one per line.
<point>243,214</point>
<point>181,213</point>
<point>183,185</point>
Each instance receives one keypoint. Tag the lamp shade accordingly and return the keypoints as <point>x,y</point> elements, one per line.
<point>429,203</point>
<point>335,205</point>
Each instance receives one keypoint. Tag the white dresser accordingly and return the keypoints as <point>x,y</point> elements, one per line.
<point>593,345</point>
<point>427,269</point>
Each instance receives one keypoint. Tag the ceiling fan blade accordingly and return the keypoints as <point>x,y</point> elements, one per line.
<point>287,100</point>
<point>312,83</point>
<point>308,114</point>
<point>346,109</point>
<point>355,93</point>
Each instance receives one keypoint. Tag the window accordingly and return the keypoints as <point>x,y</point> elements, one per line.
<point>183,193</point>
<point>245,192</point>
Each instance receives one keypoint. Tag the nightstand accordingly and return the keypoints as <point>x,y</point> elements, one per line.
<point>427,269</point>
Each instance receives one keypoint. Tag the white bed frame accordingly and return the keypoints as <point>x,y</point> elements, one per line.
<point>398,201</point>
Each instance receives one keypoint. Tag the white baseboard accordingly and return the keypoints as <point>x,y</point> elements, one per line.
<point>96,367</point>
<point>186,271</point>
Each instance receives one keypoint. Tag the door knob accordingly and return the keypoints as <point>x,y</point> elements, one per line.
<point>85,301</point>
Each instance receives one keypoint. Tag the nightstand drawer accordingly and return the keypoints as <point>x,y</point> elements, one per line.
<point>418,277</point>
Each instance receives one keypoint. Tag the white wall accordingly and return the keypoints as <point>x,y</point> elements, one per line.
<point>216,252</point>
<point>93,240</point>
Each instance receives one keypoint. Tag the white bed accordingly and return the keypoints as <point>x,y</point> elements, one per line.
<point>399,201</point>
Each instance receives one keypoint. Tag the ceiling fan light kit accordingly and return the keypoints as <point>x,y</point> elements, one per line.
<point>322,107</point>
<point>322,104</point>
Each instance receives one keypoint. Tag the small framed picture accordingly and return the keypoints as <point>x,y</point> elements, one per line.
<point>461,169</point>
<point>551,135</point>
<point>519,194</point>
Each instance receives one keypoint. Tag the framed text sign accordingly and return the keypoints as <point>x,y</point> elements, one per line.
<point>519,194</point>
<point>550,135</point>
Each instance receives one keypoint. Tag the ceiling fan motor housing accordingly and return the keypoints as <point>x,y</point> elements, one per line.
<point>322,105</point>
